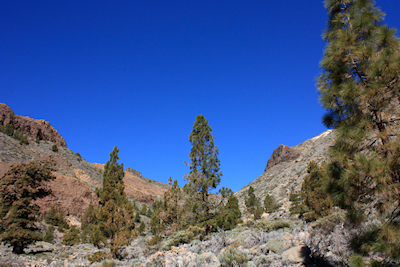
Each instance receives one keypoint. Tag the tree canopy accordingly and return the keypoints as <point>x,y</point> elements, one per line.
<point>19,187</point>
<point>359,88</point>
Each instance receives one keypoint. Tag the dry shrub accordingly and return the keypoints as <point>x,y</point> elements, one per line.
<point>233,257</point>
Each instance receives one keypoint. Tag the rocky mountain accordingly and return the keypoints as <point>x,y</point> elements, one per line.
<point>76,179</point>
<point>287,168</point>
<point>35,129</point>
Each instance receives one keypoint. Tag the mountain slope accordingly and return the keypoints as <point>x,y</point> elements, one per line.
<point>288,171</point>
<point>76,179</point>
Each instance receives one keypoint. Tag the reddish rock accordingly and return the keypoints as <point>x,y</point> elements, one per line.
<point>282,154</point>
<point>68,193</point>
<point>33,128</point>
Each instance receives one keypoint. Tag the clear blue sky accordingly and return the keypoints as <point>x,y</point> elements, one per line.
<point>137,73</point>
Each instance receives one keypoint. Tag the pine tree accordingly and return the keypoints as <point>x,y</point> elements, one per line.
<point>49,235</point>
<point>359,88</point>
<point>229,215</point>
<point>115,210</point>
<point>313,193</point>
<point>51,216</point>
<point>89,218</point>
<point>9,129</point>
<point>205,174</point>
<point>253,204</point>
<point>72,237</point>
<point>19,187</point>
<point>270,204</point>
<point>137,217</point>
<point>141,228</point>
<point>172,211</point>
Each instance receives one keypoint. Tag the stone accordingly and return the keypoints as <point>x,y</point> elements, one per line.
<point>282,154</point>
<point>298,254</point>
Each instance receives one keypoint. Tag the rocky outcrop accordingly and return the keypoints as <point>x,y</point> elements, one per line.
<point>282,154</point>
<point>288,171</point>
<point>36,129</point>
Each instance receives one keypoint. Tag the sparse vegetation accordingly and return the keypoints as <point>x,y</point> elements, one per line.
<point>54,148</point>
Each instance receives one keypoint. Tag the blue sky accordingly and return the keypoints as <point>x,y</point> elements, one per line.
<point>137,73</point>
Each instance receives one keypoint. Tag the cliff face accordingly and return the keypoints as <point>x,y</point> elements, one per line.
<point>286,169</point>
<point>36,129</point>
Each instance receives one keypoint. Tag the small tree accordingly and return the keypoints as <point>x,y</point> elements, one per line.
<point>72,237</point>
<point>19,187</point>
<point>49,235</point>
<point>51,216</point>
<point>89,217</point>
<point>54,148</point>
<point>229,215</point>
<point>137,217</point>
<point>9,130</point>
<point>253,204</point>
<point>141,228</point>
<point>270,204</point>
<point>313,193</point>
<point>172,211</point>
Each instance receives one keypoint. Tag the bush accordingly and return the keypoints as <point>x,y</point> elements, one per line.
<point>98,256</point>
<point>329,222</point>
<point>49,235</point>
<point>9,130</point>
<point>270,204</point>
<point>233,257</point>
<point>24,140</point>
<point>154,240</point>
<point>274,245</point>
<point>178,238</point>
<point>269,226</point>
<point>141,228</point>
<point>72,237</point>
<point>109,263</point>
<point>54,148</point>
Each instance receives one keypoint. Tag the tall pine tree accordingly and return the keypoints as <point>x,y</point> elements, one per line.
<point>359,88</point>
<point>115,210</point>
<point>205,174</point>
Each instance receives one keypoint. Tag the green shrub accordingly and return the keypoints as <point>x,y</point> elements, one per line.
<point>154,240</point>
<point>178,238</point>
<point>274,245</point>
<point>9,130</point>
<point>137,217</point>
<point>141,228</point>
<point>198,232</point>
<point>24,140</point>
<point>51,216</point>
<point>327,223</point>
<point>49,235</point>
<point>233,257</point>
<point>270,204</point>
<point>72,237</point>
<point>54,148</point>
<point>269,226</point>
<point>356,261</point>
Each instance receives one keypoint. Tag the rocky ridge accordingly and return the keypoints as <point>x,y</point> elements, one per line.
<point>35,129</point>
<point>288,169</point>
